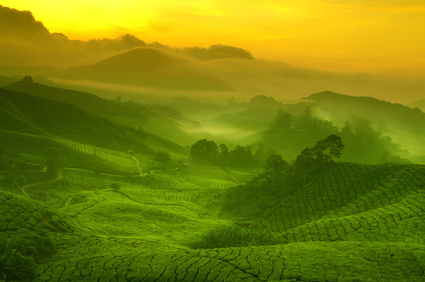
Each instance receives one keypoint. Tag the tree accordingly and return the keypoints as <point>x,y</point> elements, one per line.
<point>282,121</point>
<point>27,79</point>
<point>264,101</point>
<point>329,148</point>
<point>241,156</point>
<point>275,163</point>
<point>321,155</point>
<point>224,155</point>
<point>204,151</point>
<point>306,121</point>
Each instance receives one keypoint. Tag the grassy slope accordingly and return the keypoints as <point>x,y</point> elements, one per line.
<point>35,116</point>
<point>127,115</point>
<point>359,222</point>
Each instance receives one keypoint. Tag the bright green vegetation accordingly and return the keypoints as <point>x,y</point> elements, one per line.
<point>105,202</point>
<point>361,222</point>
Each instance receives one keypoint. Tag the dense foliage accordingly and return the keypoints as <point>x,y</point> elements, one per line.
<point>234,236</point>
<point>363,143</point>
<point>19,254</point>
<point>206,152</point>
<point>280,179</point>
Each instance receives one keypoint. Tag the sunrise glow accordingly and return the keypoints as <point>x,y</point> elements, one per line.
<point>325,34</point>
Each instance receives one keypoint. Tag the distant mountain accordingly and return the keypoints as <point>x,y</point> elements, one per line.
<point>147,66</point>
<point>143,59</point>
<point>404,124</point>
<point>122,113</point>
<point>418,104</point>
<point>379,111</point>
<point>6,80</point>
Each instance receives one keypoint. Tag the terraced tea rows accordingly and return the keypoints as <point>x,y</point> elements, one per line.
<point>113,259</point>
<point>355,203</point>
<point>74,154</point>
<point>356,223</point>
<point>123,160</point>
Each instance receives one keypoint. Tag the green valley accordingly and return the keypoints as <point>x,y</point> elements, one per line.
<point>84,197</point>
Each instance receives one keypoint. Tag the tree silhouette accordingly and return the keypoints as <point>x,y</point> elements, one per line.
<point>241,156</point>
<point>204,151</point>
<point>282,121</point>
<point>315,160</point>
<point>275,163</point>
<point>224,155</point>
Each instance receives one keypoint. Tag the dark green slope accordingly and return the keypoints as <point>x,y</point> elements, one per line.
<point>12,118</point>
<point>30,114</point>
<point>126,114</point>
<point>147,66</point>
<point>6,80</point>
<point>58,118</point>
<point>351,202</point>
<point>396,117</point>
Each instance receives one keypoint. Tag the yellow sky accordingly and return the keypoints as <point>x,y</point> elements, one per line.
<point>326,34</point>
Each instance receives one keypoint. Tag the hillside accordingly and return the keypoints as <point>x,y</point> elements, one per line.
<point>393,117</point>
<point>58,119</point>
<point>126,114</point>
<point>6,80</point>
<point>355,223</point>
<point>30,125</point>
<point>148,67</point>
<point>374,109</point>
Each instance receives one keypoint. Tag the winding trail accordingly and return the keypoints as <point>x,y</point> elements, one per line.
<point>58,177</point>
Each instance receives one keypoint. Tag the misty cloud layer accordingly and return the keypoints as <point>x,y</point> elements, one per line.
<point>24,41</point>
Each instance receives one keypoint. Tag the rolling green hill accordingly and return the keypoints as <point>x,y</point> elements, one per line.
<point>6,80</point>
<point>29,125</point>
<point>127,114</point>
<point>354,223</point>
<point>404,124</point>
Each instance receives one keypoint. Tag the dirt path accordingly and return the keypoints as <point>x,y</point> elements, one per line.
<point>58,177</point>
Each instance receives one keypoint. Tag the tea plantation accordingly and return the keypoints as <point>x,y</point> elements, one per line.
<point>353,223</point>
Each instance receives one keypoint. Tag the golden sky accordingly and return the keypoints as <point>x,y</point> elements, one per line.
<point>342,35</point>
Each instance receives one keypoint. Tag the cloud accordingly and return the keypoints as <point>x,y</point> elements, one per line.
<point>14,23</point>
<point>25,41</point>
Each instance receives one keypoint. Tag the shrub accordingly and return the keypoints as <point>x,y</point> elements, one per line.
<point>13,264</point>
<point>162,157</point>
<point>115,186</point>
<point>234,236</point>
